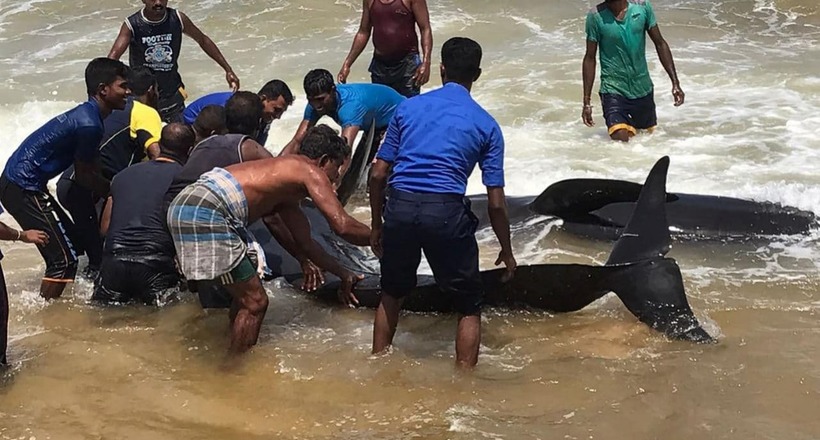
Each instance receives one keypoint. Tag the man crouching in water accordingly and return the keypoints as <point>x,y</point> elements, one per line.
<point>208,221</point>
<point>138,257</point>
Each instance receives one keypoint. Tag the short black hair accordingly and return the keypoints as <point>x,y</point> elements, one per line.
<point>461,58</point>
<point>176,140</point>
<point>210,120</point>
<point>140,79</point>
<point>318,81</point>
<point>243,113</point>
<point>103,71</point>
<point>276,88</point>
<point>322,140</point>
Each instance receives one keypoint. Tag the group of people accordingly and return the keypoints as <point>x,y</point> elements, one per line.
<point>156,206</point>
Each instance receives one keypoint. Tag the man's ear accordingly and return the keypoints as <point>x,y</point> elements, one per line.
<point>477,74</point>
<point>323,161</point>
<point>102,90</point>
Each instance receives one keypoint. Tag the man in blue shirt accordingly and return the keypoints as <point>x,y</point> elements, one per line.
<point>71,138</point>
<point>353,106</point>
<point>433,143</point>
<point>276,98</point>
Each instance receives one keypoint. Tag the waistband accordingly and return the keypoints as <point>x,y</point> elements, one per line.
<point>396,194</point>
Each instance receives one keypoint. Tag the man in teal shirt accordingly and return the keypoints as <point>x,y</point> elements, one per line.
<point>617,29</point>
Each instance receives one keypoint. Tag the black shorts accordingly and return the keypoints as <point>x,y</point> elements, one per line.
<point>39,210</point>
<point>171,108</point>
<point>147,279</point>
<point>632,115</point>
<point>83,207</point>
<point>444,227</point>
<point>398,75</point>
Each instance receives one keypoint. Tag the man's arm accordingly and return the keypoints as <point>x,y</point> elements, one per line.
<point>500,221</point>
<point>292,147</point>
<point>345,226</point>
<point>588,74</point>
<point>378,184</point>
<point>299,226</point>
<point>252,150</point>
<point>121,43</point>
<point>349,133</point>
<point>422,15</point>
<point>210,48</point>
<point>359,42</point>
<point>89,175</point>
<point>665,55</point>
<point>105,219</point>
<point>281,233</point>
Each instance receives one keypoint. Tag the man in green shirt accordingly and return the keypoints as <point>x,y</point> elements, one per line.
<point>617,29</point>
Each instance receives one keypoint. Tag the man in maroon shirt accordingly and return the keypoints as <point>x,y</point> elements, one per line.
<point>396,62</point>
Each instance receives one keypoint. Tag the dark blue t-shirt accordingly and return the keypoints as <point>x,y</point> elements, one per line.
<point>138,217</point>
<point>436,139</point>
<point>72,136</point>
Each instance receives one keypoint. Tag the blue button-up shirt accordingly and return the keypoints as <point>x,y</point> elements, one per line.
<point>435,140</point>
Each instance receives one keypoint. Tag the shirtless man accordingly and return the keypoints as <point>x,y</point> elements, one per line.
<point>208,221</point>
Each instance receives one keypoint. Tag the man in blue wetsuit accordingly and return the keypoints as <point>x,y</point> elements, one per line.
<point>353,106</point>
<point>433,143</point>
<point>276,98</point>
<point>71,138</point>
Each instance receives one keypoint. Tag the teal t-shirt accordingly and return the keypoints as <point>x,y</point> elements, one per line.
<point>622,47</point>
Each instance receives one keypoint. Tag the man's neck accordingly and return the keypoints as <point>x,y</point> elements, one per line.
<point>617,6</point>
<point>104,109</point>
<point>466,85</point>
<point>143,100</point>
<point>150,15</point>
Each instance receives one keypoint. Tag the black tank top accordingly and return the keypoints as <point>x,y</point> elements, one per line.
<point>215,151</point>
<point>156,45</point>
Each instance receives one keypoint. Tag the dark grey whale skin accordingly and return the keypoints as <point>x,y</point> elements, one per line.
<point>647,282</point>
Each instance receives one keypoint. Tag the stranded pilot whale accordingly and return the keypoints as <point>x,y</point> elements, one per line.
<point>647,282</point>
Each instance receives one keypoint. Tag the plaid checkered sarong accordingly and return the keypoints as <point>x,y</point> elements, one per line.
<point>208,221</point>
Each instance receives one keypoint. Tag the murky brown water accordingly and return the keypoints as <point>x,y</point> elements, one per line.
<point>749,128</point>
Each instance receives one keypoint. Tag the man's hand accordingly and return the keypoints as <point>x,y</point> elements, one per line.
<point>678,94</point>
<point>422,75</point>
<point>313,276</point>
<point>345,293</point>
<point>508,259</point>
<point>376,241</point>
<point>586,115</point>
<point>343,72</point>
<point>34,236</point>
<point>233,80</point>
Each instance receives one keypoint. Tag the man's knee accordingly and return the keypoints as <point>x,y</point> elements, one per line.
<point>255,301</point>
<point>622,135</point>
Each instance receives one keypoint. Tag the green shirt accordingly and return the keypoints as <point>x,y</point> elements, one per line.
<point>622,47</point>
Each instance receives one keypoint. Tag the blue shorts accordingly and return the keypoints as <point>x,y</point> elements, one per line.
<point>444,227</point>
<point>632,115</point>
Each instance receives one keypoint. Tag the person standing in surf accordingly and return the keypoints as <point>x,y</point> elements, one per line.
<point>433,143</point>
<point>7,233</point>
<point>153,37</point>
<point>616,30</point>
<point>396,62</point>
<point>72,137</point>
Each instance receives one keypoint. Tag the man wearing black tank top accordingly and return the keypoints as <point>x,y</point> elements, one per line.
<point>153,37</point>
<point>396,62</point>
